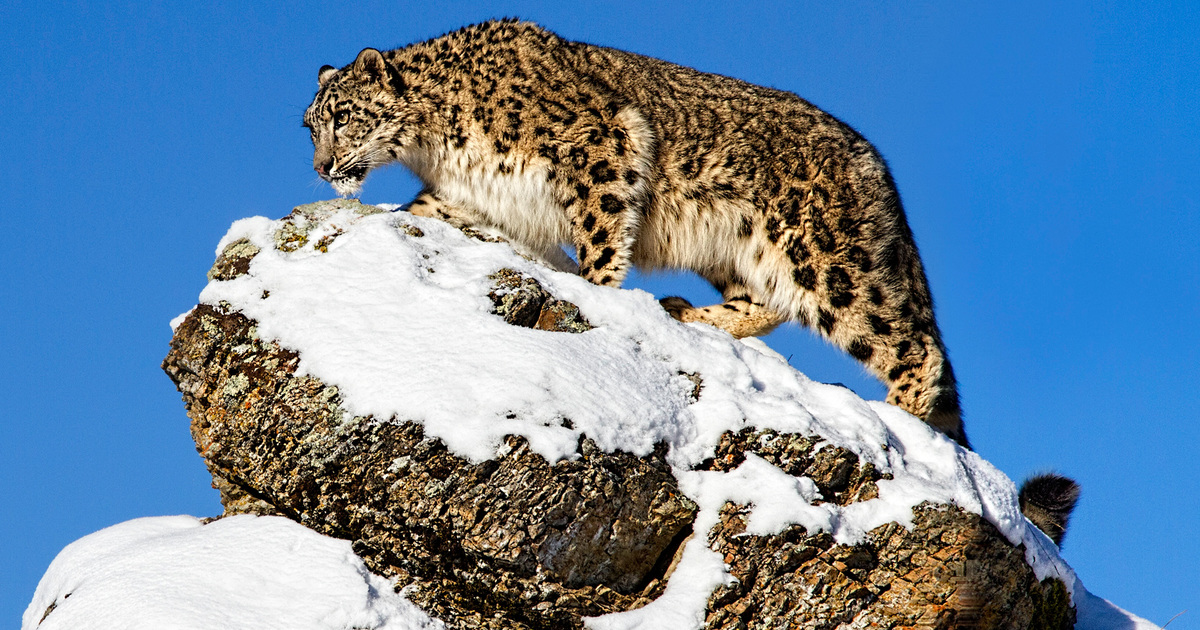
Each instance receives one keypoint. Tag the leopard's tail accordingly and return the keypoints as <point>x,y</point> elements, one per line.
<point>1047,501</point>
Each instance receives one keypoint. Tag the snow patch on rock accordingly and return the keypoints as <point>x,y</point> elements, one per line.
<point>239,572</point>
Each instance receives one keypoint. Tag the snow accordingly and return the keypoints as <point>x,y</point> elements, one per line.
<point>1097,613</point>
<point>402,325</point>
<point>239,572</point>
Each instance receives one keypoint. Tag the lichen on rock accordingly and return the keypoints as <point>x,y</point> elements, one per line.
<point>234,260</point>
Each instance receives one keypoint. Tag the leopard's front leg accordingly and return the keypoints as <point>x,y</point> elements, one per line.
<point>603,179</point>
<point>428,204</point>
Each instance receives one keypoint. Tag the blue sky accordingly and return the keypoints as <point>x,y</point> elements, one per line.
<point>1048,158</point>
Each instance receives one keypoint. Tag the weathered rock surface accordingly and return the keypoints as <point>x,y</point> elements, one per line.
<point>519,542</point>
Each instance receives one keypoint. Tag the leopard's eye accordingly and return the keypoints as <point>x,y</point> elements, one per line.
<point>340,119</point>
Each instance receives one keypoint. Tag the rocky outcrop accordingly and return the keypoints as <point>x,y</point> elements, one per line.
<point>521,542</point>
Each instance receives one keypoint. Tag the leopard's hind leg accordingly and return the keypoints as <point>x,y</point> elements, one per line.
<point>878,309</point>
<point>739,315</point>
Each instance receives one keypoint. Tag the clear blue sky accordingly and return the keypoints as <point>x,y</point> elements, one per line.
<point>1049,160</point>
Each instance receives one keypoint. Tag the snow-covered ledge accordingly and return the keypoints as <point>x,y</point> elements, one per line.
<point>381,330</point>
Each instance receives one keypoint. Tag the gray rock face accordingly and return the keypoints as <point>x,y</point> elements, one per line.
<point>518,542</point>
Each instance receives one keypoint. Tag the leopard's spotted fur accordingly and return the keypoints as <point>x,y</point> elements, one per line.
<point>787,211</point>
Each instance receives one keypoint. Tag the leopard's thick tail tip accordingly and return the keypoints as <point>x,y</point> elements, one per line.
<point>1047,500</point>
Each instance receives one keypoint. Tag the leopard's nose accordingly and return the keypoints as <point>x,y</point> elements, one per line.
<point>324,168</point>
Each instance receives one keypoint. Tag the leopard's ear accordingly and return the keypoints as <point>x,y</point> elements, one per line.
<point>370,63</point>
<point>324,75</point>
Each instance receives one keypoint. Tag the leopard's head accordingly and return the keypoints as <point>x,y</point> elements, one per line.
<point>363,116</point>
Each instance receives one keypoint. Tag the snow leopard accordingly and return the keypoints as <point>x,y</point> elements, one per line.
<point>633,161</point>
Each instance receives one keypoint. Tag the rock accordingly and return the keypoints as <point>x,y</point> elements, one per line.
<point>520,542</point>
<point>516,536</point>
<point>953,570</point>
<point>521,301</point>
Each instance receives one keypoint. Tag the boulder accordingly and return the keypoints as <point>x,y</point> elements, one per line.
<point>522,540</point>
